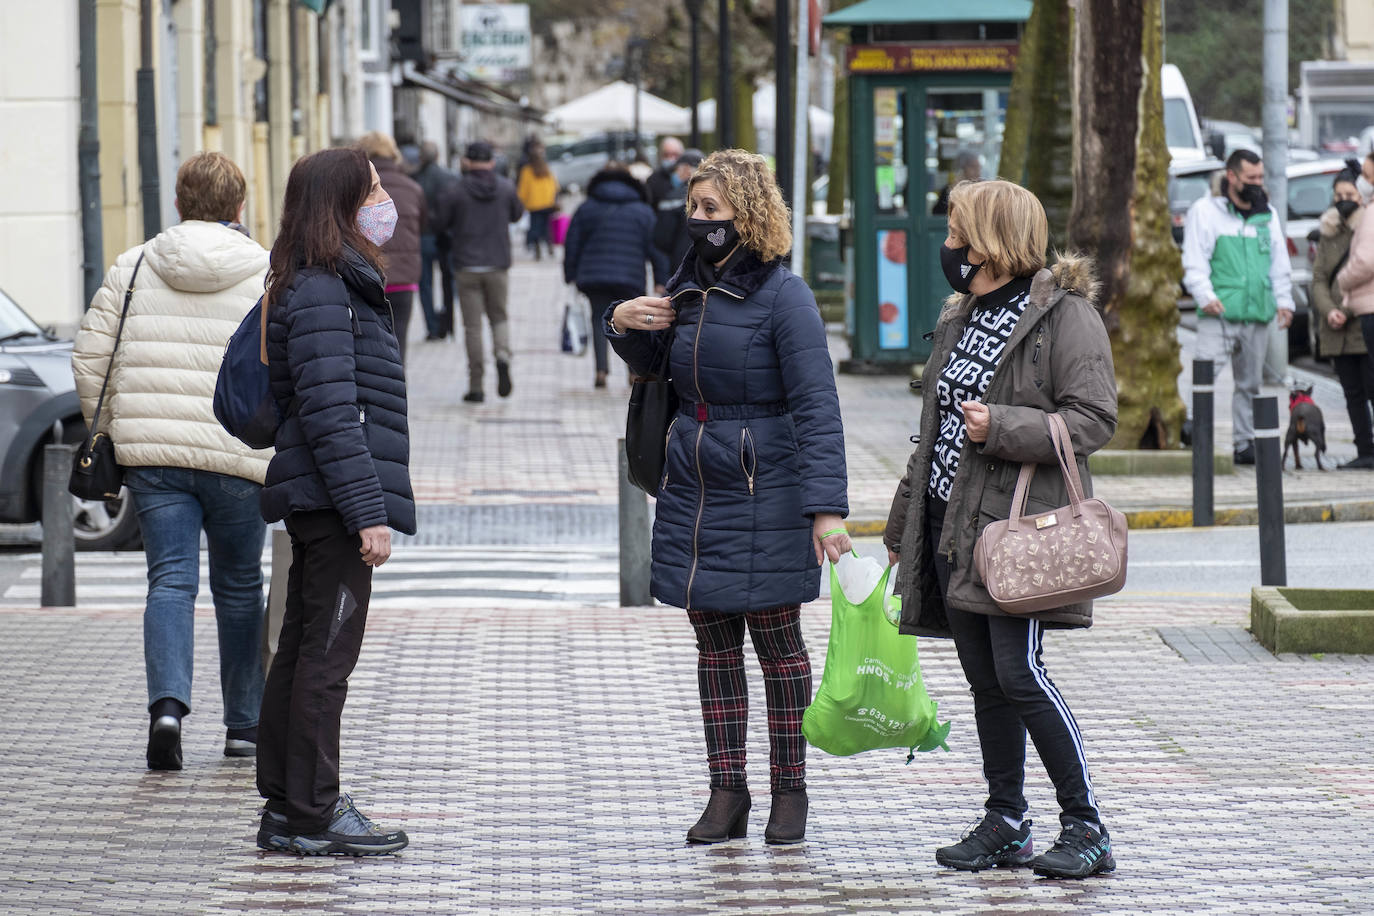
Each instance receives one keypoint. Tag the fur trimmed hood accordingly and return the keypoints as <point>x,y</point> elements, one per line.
<point>1073,273</point>
<point>1331,221</point>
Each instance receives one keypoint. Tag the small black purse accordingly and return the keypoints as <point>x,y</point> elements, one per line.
<point>95,472</point>
<point>653,402</point>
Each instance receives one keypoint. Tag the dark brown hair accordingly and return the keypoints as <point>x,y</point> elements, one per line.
<point>319,215</point>
<point>539,165</point>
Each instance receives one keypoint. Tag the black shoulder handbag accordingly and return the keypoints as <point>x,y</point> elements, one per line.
<point>653,402</point>
<point>95,472</point>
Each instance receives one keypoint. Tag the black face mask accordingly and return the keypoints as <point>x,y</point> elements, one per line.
<point>958,270</point>
<point>1253,194</point>
<point>713,239</point>
<point>1347,207</point>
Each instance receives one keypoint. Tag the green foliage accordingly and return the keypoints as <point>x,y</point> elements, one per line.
<point>1217,44</point>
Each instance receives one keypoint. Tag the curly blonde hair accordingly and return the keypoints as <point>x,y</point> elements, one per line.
<point>761,218</point>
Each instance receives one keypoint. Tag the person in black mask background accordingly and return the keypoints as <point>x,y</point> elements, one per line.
<point>1338,331</point>
<point>755,486</point>
<point>670,218</point>
<point>1235,265</point>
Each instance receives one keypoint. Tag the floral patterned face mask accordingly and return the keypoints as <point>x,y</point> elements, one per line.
<point>378,222</point>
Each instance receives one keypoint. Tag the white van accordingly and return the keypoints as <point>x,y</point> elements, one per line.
<point>1181,129</point>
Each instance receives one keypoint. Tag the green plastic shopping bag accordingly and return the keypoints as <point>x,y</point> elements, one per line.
<point>871,694</point>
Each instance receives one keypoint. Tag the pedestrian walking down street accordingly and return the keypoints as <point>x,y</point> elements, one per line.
<point>538,192</point>
<point>339,478</point>
<point>1015,343</point>
<point>434,246</point>
<point>1339,334</point>
<point>1235,265</point>
<point>402,250</point>
<point>192,286</point>
<point>670,217</point>
<point>754,488</point>
<point>1356,278</point>
<point>474,212</point>
<point>659,185</point>
<point>609,241</point>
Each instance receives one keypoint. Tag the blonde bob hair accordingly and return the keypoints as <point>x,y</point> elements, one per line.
<point>746,182</point>
<point>377,145</point>
<point>1003,224</point>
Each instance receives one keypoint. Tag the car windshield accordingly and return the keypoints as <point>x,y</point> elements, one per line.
<point>1309,195</point>
<point>14,322</point>
<point>1178,125</point>
<point>1184,190</point>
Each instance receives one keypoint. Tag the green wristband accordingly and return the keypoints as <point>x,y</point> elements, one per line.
<point>834,531</point>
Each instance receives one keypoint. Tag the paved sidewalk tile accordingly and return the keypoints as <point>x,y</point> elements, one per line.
<point>550,761</point>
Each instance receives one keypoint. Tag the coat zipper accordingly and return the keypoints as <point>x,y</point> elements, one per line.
<point>701,481</point>
<point>746,440</point>
<point>666,439</point>
<point>362,415</point>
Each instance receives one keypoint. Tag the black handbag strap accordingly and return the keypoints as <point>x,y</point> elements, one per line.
<point>109,367</point>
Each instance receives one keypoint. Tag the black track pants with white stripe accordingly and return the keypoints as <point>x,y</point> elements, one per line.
<point>1012,696</point>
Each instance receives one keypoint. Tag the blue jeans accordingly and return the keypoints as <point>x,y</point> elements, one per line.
<point>173,504</point>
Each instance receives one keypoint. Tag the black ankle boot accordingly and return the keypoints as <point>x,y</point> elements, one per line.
<point>787,819</point>
<point>726,817</point>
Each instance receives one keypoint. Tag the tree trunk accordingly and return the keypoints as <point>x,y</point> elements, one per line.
<point>839,147</point>
<point>1037,147</point>
<point>1120,208</point>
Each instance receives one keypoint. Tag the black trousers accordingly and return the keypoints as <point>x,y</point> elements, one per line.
<point>327,591</point>
<point>402,304</point>
<point>1013,695</point>
<point>1357,382</point>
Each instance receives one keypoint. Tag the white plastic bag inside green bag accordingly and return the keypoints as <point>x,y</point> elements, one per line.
<point>871,694</point>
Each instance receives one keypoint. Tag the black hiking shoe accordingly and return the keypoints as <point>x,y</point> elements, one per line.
<point>993,843</point>
<point>1079,852</point>
<point>350,833</point>
<point>272,833</point>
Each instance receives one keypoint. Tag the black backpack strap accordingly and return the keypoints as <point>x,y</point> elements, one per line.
<point>109,367</point>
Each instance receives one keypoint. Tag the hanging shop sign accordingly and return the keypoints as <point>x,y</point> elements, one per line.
<point>496,41</point>
<point>985,58</point>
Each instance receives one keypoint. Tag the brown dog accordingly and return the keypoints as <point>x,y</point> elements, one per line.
<point>1306,423</point>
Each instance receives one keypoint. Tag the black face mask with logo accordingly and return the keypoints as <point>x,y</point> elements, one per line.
<point>958,269</point>
<point>713,239</point>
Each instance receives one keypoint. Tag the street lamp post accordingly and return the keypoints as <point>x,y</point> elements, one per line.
<point>725,120</point>
<point>694,14</point>
<point>782,107</point>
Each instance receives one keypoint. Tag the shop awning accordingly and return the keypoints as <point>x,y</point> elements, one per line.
<point>893,12</point>
<point>469,92</point>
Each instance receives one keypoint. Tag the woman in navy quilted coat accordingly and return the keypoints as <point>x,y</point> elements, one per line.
<point>754,491</point>
<point>339,478</point>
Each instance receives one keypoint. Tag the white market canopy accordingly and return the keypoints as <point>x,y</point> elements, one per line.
<point>822,122</point>
<point>612,108</point>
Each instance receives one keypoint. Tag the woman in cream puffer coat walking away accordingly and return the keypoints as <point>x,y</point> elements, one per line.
<point>193,284</point>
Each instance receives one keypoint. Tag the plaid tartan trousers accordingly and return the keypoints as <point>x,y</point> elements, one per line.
<point>777,639</point>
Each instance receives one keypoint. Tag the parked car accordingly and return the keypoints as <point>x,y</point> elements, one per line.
<point>576,161</point>
<point>37,391</point>
<point>1189,182</point>
<point>1309,194</point>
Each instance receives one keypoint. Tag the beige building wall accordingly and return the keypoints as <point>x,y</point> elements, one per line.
<point>40,220</point>
<point>1359,29</point>
<point>116,28</point>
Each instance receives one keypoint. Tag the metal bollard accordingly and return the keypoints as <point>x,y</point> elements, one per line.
<point>635,536</point>
<point>1203,430</point>
<point>59,542</point>
<point>1269,487</point>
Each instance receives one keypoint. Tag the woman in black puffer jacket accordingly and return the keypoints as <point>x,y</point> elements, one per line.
<point>339,477</point>
<point>609,240</point>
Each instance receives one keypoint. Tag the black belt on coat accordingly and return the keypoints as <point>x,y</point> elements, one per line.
<point>704,412</point>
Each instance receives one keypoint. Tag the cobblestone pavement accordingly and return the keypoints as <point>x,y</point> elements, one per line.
<point>548,759</point>
<point>553,441</point>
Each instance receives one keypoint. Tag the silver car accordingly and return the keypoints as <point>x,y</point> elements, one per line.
<point>37,393</point>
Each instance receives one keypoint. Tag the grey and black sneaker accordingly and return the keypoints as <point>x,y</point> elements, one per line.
<point>1080,851</point>
<point>350,833</point>
<point>993,843</point>
<point>272,832</point>
<point>241,742</point>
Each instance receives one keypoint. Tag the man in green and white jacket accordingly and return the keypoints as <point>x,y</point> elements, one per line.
<point>1235,265</point>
